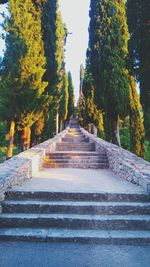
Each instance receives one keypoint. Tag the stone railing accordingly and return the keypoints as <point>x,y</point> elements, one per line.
<point>127,165</point>
<point>21,167</point>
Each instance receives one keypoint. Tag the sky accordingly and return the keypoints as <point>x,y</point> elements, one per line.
<point>2,43</point>
<point>75,14</point>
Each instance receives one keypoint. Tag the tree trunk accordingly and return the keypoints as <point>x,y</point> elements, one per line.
<point>115,130</point>
<point>11,140</point>
<point>57,123</point>
<point>25,138</point>
<point>61,126</point>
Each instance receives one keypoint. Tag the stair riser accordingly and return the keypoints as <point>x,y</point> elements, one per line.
<point>79,157</point>
<point>75,165</point>
<point>75,161</point>
<point>76,131</point>
<point>76,145</point>
<point>71,148</point>
<point>83,141</point>
<point>76,137</point>
<point>85,240</point>
<point>20,208</point>
<point>76,223</point>
<point>75,154</point>
<point>69,143</point>
<point>60,196</point>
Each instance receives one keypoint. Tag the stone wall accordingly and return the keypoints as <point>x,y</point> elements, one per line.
<point>21,167</point>
<point>124,163</point>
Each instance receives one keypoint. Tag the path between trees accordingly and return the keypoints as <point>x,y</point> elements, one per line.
<point>85,204</point>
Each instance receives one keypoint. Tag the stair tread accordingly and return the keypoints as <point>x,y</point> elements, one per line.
<point>72,216</point>
<point>75,152</point>
<point>81,193</point>
<point>64,232</point>
<point>76,203</point>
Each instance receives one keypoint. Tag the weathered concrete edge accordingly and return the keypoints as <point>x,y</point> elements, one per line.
<point>124,163</point>
<point>20,168</point>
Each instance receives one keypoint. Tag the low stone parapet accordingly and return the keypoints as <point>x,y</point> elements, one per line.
<point>124,163</point>
<point>21,167</point>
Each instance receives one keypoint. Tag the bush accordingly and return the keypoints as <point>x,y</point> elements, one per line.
<point>147,150</point>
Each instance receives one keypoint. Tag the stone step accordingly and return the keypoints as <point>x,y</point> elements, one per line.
<point>76,165</point>
<point>75,140</point>
<point>71,235</point>
<point>76,153</point>
<point>68,148</point>
<point>72,156</point>
<point>74,126</point>
<point>77,196</point>
<point>74,134</point>
<point>75,147</point>
<point>75,130</point>
<point>78,207</point>
<point>79,160</point>
<point>76,221</point>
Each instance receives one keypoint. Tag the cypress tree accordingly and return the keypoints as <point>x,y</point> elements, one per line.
<point>89,113</point>
<point>54,36</point>
<point>3,1</point>
<point>138,12</point>
<point>137,133</point>
<point>23,67</point>
<point>63,106</point>
<point>82,73</point>
<point>108,49</point>
<point>71,96</point>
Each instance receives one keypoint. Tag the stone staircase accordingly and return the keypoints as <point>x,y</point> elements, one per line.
<point>84,217</point>
<point>76,151</point>
<point>110,218</point>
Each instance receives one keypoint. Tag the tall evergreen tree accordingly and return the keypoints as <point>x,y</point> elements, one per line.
<point>82,73</point>
<point>63,106</point>
<point>138,12</point>
<point>108,49</point>
<point>71,96</point>
<point>24,67</point>
<point>54,36</point>
<point>137,133</point>
<point>3,1</point>
<point>88,111</point>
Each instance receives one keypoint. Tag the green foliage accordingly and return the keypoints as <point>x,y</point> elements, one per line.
<point>125,134</point>
<point>82,73</point>
<point>71,96</point>
<point>3,134</point>
<point>3,1</point>
<point>136,121</point>
<point>54,37</point>
<point>147,150</point>
<point>108,49</point>
<point>88,111</point>
<point>63,106</point>
<point>138,20</point>
<point>21,87</point>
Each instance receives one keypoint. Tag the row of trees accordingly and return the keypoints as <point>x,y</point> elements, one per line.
<point>117,56</point>
<point>34,85</point>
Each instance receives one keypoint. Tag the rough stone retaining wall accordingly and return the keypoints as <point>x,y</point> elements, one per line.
<point>21,167</point>
<point>124,163</point>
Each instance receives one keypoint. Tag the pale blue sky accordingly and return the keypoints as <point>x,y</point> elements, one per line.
<point>75,14</point>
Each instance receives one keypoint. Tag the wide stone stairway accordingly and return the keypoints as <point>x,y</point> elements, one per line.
<point>76,198</point>
<point>76,151</point>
